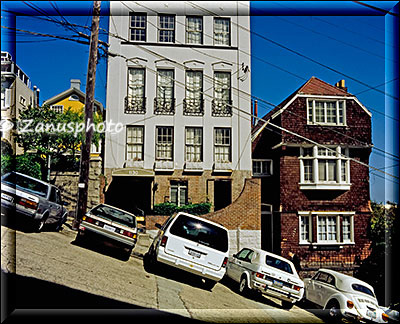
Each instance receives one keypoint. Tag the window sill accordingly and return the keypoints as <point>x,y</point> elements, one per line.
<point>194,167</point>
<point>325,186</point>
<point>164,166</point>
<point>222,167</point>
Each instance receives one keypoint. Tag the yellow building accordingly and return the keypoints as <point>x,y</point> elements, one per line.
<point>74,98</point>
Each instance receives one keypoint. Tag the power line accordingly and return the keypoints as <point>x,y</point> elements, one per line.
<point>261,119</point>
<point>296,52</point>
<point>249,95</point>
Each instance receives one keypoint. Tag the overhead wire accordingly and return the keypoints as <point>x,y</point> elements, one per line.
<point>256,98</point>
<point>295,52</point>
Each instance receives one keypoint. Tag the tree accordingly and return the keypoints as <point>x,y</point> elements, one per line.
<point>383,233</point>
<point>48,134</point>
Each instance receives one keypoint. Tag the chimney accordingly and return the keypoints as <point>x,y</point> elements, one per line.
<point>76,83</point>
<point>341,85</point>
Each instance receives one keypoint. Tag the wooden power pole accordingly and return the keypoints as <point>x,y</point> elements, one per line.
<point>89,103</point>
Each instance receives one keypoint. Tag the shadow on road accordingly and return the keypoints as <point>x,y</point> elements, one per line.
<point>178,275</point>
<point>99,246</point>
<point>26,298</point>
<point>234,287</point>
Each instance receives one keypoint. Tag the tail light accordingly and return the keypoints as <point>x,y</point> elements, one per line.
<point>129,234</point>
<point>224,263</point>
<point>164,241</point>
<point>88,219</point>
<point>260,275</point>
<point>385,317</point>
<point>296,287</point>
<point>350,304</point>
<point>28,203</point>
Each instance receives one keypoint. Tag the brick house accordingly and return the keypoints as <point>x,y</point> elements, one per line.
<point>315,198</point>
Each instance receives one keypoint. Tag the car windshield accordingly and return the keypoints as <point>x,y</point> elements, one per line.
<point>278,264</point>
<point>201,232</point>
<point>363,289</point>
<point>26,184</point>
<point>114,215</point>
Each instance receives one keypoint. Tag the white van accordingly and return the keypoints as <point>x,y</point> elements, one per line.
<point>193,244</point>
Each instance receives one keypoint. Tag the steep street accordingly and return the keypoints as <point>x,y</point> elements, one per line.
<point>54,272</point>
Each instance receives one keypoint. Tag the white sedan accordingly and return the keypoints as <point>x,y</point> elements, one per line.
<point>267,273</point>
<point>343,296</point>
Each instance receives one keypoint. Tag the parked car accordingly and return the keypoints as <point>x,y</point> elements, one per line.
<point>267,273</point>
<point>193,244</point>
<point>343,296</point>
<point>38,200</point>
<point>110,225</point>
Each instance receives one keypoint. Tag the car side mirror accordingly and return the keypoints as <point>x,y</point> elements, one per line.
<point>235,256</point>
<point>158,225</point>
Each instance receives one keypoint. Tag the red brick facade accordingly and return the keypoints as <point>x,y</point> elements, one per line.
<point>243,213</point>
<point>289,201</point>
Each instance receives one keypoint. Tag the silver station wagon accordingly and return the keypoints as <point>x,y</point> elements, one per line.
<point>343,296</point>
<point>110,225</point>
<point>267,273</point>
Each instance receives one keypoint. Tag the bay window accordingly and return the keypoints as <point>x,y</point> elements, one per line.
<point>324,168</point>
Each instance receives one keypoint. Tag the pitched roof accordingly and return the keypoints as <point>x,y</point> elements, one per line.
<point>313,87</point>
<point>68,93</point>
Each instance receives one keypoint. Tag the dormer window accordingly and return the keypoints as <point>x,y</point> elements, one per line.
<point>326,112</point>
<point>73,97</point>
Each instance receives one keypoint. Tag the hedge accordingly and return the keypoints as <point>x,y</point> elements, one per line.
<point>170,208</point>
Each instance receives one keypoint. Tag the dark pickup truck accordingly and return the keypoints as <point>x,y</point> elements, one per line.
<point>35,199</point>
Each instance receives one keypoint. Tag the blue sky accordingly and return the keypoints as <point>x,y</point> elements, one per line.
<point>333,34</point>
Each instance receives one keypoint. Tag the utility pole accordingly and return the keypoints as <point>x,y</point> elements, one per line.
<point>89,103</point>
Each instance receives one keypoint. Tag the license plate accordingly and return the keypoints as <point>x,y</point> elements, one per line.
<point>109,228</point>
<point>6,197</point>
<point>277,283</point>
<point>371,314</point>
<point>194,253</point>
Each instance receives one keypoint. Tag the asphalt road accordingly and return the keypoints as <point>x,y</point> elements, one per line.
<point>49,274</point>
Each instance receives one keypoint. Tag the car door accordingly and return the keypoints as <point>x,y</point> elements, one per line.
<point>323,288</point>
<point>312,288</point>
<point>328,290</point>
<point>55,207</point>
<point>240,261</point>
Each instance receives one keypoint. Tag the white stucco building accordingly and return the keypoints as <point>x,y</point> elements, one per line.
<point>179,81</point>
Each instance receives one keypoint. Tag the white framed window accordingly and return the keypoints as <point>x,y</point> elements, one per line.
<point>134,143</point>
<point>166,28</point>
<point>57,108</point>
<point>326,112</point>
<point>164,143</point>
<point>193,144</point>
<point>22,100</point>
<point>137,26</point>
<point>324,167</point>
<point>222,31</point>
<point>305,228</point>
<point>222,145</point>
<point>331,227</point>
<point>327,229</point>
<point>348,228</point>
<point>262,167</point>
<point>179,192</point>
<point>194,30</point>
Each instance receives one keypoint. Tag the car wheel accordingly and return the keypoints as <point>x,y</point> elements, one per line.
<point>332,312</point>
<point>40,224</point>
<point>287,305</point>
<point>243,286</point>
<point>209,284</point>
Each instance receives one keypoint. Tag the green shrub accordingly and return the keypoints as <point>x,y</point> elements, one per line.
<point>170,208</point>
<point>25,163</point>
